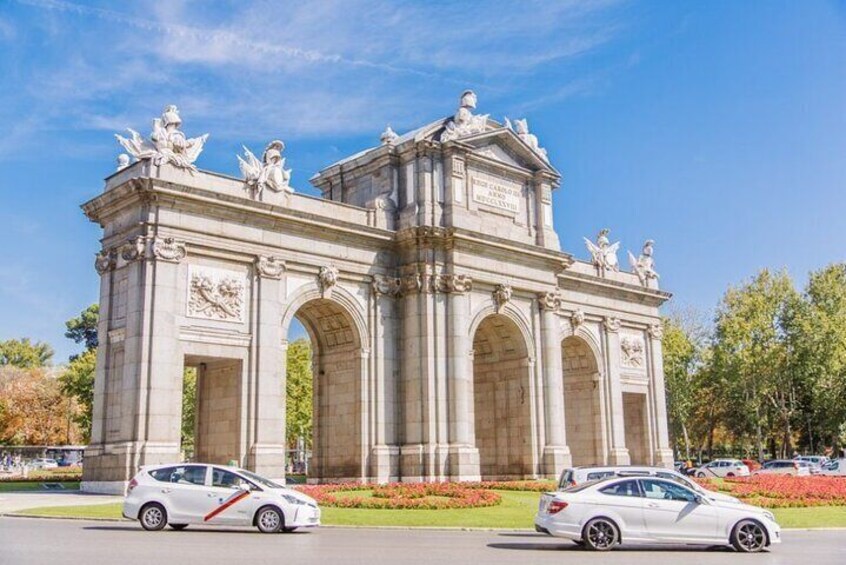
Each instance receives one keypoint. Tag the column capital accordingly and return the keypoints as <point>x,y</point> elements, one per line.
<point>549,301</point>
<point>656,331</point>
<point>269,267</point>
<point>612,325</point>
<point>168,249</point>
<point>105,261</point>
<point>386,286</point>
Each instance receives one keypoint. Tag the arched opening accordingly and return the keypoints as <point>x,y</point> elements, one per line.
<point>502,413</point>
<point>581,401</point>
<point>334,445</point>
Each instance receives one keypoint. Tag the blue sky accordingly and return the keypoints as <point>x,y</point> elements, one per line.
<point>716,128</point>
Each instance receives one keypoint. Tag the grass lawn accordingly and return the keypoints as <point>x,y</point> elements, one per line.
<point>24,486</point>
<point>516,511</point>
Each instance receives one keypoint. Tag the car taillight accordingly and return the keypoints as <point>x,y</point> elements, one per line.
<point>132,484</point>
<point>556,506</point>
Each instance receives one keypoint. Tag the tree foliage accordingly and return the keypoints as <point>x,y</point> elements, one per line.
<point>33,410</point>
<point>24,354</point>
<point>77,382</point>
<point>189,409</point>
<point>83,328</point>
<point>299,391</point>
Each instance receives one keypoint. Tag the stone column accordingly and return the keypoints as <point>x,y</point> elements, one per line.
<point>556,454</point>
<point>266,389</point>
<point>463,455</point>
<point>618,453</point>
<point>384,460</point>
<point>663,455</point>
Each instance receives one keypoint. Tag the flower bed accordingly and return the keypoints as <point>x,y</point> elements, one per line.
<point>783,491</point>
<point>405,496</point>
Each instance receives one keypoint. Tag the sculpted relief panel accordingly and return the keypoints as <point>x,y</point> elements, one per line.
<point>216,294</point>
<point>632,351</point>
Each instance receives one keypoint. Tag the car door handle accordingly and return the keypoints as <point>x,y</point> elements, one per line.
<point>212,495</point>
<point>166,490</point>
<point>652,505</point>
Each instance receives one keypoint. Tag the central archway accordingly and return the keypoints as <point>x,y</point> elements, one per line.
<point>501,399</point>
<point>337,411</point>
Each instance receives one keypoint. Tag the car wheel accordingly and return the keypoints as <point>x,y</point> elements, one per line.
<point>269,520</point>
<point>153,517</point>
<point>178,527</point>
<point>749,536</point>
<point>729,474</point>
<point>700,474</point>
<point>601,534</point>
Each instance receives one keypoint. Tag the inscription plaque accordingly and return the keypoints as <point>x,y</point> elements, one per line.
<point>505,196</point>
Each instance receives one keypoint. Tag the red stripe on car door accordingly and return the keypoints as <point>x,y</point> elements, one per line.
<point>229,502</point>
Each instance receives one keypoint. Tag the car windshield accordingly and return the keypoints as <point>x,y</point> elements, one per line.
<point>260,480</point>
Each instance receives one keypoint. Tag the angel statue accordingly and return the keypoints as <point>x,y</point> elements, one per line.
<point>644,266</point>
<point>603,252</point>
<point>268,173</point>
<point>167,143</point>
<point>464,122</point>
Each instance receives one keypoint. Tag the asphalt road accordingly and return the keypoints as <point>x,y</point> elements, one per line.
<point>35,541</point>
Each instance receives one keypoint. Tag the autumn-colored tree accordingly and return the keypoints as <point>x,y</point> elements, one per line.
<point>33,410</point>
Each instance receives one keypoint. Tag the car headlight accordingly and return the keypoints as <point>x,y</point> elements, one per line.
<point>294,499</point>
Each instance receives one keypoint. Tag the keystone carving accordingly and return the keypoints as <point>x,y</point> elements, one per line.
<point>501,295</point>
<point>269,267</point>
<point>327,277</point>
<point>168,249</point>
<point>577,318</point>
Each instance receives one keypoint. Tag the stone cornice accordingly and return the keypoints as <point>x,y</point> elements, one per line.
<point>569,280</point>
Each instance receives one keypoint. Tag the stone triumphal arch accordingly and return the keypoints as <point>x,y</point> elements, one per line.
<point>453,338</point>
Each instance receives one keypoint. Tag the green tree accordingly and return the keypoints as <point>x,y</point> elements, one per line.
<point>83,328</point>
<point>24,354</point>
<point>189,409</point>
<point>750,359</point>
<point>817,336</point>
<point>681,356</point>
<point>299,391</point>
<point>77,382</point>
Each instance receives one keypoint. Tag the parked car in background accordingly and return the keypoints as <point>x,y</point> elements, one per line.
<point>834,468</point>
<point>792,467</point>
<point>601,514</point>
<point>721,468</point>
<point>44,463</point>
<point>815,461</point>
<point>579,475</point>
<point>180,495</point>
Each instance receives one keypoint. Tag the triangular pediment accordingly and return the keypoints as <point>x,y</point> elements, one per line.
<point>503,145</point>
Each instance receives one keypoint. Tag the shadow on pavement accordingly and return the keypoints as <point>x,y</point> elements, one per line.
<point>625,548</point>
<point>188,531</point>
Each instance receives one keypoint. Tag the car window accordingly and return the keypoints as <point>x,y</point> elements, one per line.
<point>182,474</point>
<point>596,475</point>
<point>227,479</point>
<point>566,478</point>
<point>666,491</point>
<point>624,488</point>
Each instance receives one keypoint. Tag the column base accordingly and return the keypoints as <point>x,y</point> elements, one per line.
<point>120,461</point>
<point>664,458</point>
<point>267,460</point>
<point>555,459</point>
<point>463,463</point>
<point>619,456</point>
<point>384,463</point>
<point>411,463</point>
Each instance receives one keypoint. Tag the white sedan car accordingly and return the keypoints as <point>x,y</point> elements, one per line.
<point>604,513</point>
<point>722,468</point>
<point>179,495</point>
<point>792,467</point>
<point>834,468</point>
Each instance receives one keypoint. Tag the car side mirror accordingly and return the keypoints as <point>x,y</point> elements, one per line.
<point>699,500</point>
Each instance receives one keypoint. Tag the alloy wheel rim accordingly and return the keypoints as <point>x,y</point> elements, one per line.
<point>269,520</point>
<point>751,536</point>
<point>602,534</point>
<point>153,517</point>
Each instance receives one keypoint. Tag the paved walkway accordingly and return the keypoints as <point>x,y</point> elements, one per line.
<point>16,501</point>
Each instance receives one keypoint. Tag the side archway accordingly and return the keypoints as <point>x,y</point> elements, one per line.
<point>582,401</point>
<point>337,334</point>
<point>502,414</point>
